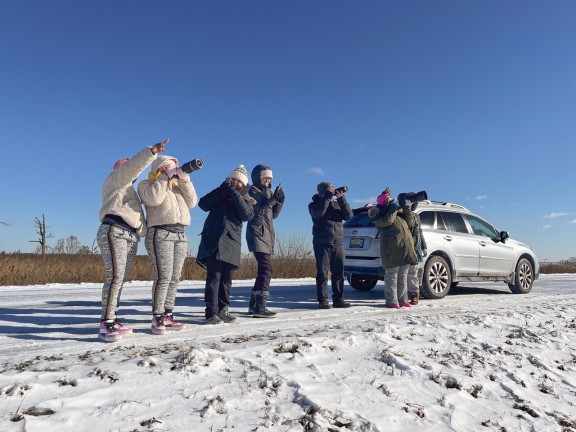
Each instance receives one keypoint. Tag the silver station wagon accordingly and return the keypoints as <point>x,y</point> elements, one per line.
<point>461,247</point>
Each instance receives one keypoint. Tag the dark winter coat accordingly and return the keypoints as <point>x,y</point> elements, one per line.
<point>222,232</point>
<point>417,234</point>
<point>327,216</point>
<point>260,234</point>
<point>396,243</point>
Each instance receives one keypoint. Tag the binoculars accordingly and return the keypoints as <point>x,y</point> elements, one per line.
<point>412,197</point>
<point>342,189</point>
<point>193,165</point>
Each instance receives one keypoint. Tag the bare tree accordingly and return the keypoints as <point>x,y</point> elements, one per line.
<point>41,230</point>
<point>70,245</point>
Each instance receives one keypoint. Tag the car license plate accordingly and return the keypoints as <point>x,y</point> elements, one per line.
<point>356,243</point>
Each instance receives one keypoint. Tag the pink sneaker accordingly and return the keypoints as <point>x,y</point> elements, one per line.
<point>393,306</point>
<point>158,326</point>
<point>170,324</point>
<point>108,332</point>
<point>122,329</point>
<point>405,304</point>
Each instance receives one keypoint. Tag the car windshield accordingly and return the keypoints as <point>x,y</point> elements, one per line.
<point>359,221</point>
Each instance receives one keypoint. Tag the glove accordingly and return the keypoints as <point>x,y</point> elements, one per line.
<point>230,191</point>
<point>424,252</point>
<point>279,194</point>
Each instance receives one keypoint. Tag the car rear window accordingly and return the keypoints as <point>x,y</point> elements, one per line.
<point>359,221</point>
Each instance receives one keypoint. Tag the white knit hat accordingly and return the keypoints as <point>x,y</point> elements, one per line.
<point>161,160</point>
<point>239,173</point>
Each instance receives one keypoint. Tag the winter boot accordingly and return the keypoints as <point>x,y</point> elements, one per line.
<point>225,316</point>
<point>214,319</point>
<point>122,328</point>
<point>324,304</point>
<point>341,303</point>
<point>108,332</point>
<point>158,326</point>
<point>170,323</point>
<point>252,304</point>
<point>414,298</point>
<point>260,310</point>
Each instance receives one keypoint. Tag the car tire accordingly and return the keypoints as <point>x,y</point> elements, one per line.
<point>437,278</point>
<point>362,283</point>
<point>523,278</point>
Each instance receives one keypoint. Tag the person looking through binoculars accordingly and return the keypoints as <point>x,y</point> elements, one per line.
<point>396,247</point>
<point>168,195</point>
<point>328,209</point>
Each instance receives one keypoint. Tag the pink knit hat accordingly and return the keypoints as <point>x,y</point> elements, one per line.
<point>384,197</point>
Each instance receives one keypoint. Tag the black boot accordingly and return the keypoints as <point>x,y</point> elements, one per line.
<point>260,310</point>
<point>252,304</point>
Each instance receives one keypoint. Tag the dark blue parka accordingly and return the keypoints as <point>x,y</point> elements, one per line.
<point>222,232</point>
<point>327,216</point>
<point>260,234</point>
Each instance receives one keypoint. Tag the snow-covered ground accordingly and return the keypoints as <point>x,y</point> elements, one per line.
<point>481,359</point>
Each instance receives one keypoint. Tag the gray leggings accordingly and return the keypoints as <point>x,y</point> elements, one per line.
<point>118,248</point>
<point>167,251</point>
<point>396,284</point>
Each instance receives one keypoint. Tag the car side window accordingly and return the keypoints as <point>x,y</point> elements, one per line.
<point>453,222</point>
<point>426,219</point>
<point>482,228</point>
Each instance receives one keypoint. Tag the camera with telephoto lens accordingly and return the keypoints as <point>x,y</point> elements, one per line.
<point>341,189</point>
<point>193,165</point>
<point>412,197</point>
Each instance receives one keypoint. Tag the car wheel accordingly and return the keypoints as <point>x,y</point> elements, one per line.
<point>437,278</point>
<point>524,277</point>
<point>362,283</point>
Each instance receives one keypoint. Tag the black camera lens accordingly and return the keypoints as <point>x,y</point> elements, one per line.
<point>193,165</point>
<point>341,189</point>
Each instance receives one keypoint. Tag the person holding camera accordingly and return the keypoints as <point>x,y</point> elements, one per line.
<point>168,195</point>
<point>420,247</point>
<point>122,224</point>
<point>260,236</point>
<point>328,209</point>
<point>228,206</point>
<point>396,247</point>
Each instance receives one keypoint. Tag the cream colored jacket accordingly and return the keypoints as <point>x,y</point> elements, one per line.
<point>119,196</point>
<point>165,206</point>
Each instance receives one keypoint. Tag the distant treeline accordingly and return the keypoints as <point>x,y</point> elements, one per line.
<point>36,269</point>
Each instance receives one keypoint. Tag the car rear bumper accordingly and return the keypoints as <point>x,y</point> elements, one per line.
<point>368,271</point>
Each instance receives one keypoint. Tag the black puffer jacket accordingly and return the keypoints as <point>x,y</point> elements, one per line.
<point>260,234</point>
<point>327,216</point>
<point>222,232</point>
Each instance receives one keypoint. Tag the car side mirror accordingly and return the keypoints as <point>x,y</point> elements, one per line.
<point>504,236</point>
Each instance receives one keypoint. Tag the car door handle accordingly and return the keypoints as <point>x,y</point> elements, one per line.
<point>447,238</point>
<point>482,243</point>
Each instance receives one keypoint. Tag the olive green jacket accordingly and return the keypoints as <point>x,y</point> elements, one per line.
<point>396,242</point>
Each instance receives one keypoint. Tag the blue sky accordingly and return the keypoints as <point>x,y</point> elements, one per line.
<point>472,101</point>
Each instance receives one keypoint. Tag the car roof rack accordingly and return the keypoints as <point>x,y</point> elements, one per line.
<point>444,204</point>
